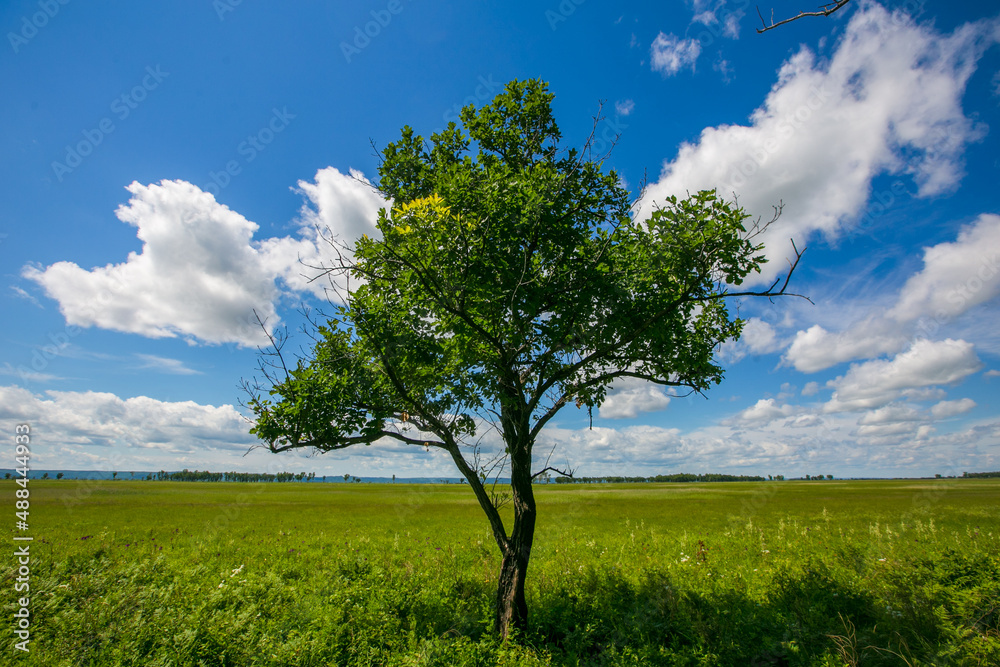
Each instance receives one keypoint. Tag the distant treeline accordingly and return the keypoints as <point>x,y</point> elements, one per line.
<point>981,474</point>
<point>678,477</point>
<point>206,476</point>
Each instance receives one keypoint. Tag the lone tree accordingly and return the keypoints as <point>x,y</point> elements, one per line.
<point>511,280</point>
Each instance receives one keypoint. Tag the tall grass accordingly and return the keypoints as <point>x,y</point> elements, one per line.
<point>818,573</point>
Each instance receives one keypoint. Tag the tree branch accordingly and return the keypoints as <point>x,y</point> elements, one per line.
<point>547,468</point>
<point>496,523</point>
<point>825,10</point>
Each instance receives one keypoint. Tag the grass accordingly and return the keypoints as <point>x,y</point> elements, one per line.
<point>784,573</point>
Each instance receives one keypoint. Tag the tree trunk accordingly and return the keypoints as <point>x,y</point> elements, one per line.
<point>511,607</point>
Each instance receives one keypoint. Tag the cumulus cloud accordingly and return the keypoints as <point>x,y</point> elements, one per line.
<point>946,409</point>
<point>670,54</point>
<point>888,100</point>
<point>200,274</point>
<point>956,277</point>
<point>879,382</point>
<point>805,421</point>
<point>341,208</point>
<point>758,337</point>
<point>894,412</point>
<point>631,396</point>
<point>197,274</point>
<point>816,348</point>
<point>763,411</point>
<point>98,419</point>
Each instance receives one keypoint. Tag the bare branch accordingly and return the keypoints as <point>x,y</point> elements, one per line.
<point>825,10</point>
<point>547,468</point>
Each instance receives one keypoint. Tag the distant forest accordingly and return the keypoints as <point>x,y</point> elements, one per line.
<point>206,476</point>
<point>677,477</point>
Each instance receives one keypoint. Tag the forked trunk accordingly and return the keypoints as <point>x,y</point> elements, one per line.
<point>511,607</point>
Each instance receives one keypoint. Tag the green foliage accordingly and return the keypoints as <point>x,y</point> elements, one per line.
<point>694,574</point>
<point>510,280</point>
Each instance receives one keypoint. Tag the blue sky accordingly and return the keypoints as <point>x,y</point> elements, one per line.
<point>165,169</point>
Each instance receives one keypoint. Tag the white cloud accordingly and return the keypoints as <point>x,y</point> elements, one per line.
<point>716,16</point>
<point>894,412</point>
<point>96,430</point>
<point>731,25</point>
<point>670,54</point>
<point>758,337</point>
<point>624,107</point>
<point>197,275</point>
<point>816,348</point>
<point>96,419</point>
<point>805,421</point>
<point>21,294</point>
<point>343,208</point>
<point>763,411</point>
<point>955,278</point>
<point>811,389</point>
<point>165,365</point>
<point>200,274</point>
<point>631,396</point>
<point>25,374</point>
<point>888,100</point>
<point>991,373</point>
<point>946,409</point>
<point>876,383</point>
<point>882,430</point>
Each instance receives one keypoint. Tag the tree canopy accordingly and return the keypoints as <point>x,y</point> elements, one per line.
<point>511,280</point>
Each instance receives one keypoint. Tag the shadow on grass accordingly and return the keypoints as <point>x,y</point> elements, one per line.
<point>940,612</point>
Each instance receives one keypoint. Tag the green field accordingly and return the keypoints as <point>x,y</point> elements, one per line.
<point>796,573</point>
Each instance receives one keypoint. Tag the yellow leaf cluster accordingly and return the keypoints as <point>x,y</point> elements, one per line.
<point>423,206</point>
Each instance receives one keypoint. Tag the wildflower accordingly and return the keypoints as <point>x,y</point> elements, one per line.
<point>222,584</point>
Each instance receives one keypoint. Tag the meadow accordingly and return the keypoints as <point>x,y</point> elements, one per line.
<point>771,573</point>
